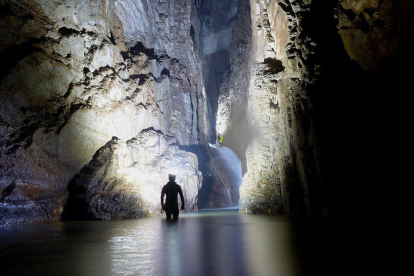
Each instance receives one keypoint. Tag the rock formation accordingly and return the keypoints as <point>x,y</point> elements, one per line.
<point>281,162</point>
<point>99,99</point>
<point>125,180</point>
<point>76,74</point>
<point>313,115</point>
<point>373,31</point>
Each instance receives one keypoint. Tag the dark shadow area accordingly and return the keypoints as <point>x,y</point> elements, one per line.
<point>11,56</point>
<point>330,246</point>
<point>7,191</point>
<point>94,196</point>
<point>274,66</point>
<point>359,118</point>
<point>217,64</point>
<point>203,167</point>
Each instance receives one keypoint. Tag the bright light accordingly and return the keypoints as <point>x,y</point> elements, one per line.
<point>132,174</point>
<point>145,186</point>
<point>212,145</point>
<point>172,171</point>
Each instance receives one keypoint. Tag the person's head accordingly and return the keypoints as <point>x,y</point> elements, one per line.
<point>171,177</point>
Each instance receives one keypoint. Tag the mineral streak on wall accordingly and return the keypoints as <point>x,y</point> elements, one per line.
<point>95,97</point>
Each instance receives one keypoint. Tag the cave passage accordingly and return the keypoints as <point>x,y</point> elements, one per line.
<point>218,23</point>
<point>217,63</point>
<point>220,242</point>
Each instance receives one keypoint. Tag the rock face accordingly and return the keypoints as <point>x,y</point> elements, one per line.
<point>100,99</point>
<point>124,180</point>
<point>218,20</point>
<point>318,116</point>
<point>232,104</point>
<point>373,31</point>
<point>282,162</point>
<point>80,72</point>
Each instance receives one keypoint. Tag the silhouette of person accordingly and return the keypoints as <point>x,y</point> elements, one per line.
<point>171,191</point>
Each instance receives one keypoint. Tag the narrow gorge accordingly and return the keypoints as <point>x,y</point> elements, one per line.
<point>100,100</point>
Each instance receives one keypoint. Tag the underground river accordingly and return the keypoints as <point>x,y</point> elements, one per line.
<point>209,242</point>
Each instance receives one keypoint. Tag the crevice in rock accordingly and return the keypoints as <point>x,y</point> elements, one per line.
<point>68,114</point>
<point>165,72</point>
<point>152,129</point>
<point>7,191</point>
<point>139,49</point>
<point>65,31</point>
<point>112,39</point>
<point>274,66</point>
<point>15,53</point>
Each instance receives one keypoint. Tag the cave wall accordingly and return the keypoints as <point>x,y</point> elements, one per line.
<point>218,19</point>
<point>97,96</point>
<point>364,48</point>
<point>374,31</point>
<point>231,116</point>
<point>282,161</point>
<point>326,78</point>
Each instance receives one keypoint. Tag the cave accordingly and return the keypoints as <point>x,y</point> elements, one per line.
<point>101,100</point>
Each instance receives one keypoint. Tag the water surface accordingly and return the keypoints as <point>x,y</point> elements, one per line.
<point>211,242</point>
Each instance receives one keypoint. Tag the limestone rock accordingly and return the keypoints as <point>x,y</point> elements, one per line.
<point>77,73</point>
<point>124,179</point>
<point>373,31</point>
<point>279,177</point>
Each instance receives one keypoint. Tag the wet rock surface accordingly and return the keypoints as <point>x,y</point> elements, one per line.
<point>75,75</point>
<point>281,162</point>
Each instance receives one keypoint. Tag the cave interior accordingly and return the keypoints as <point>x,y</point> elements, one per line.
<point>100,100</point>
<point>303,94</point>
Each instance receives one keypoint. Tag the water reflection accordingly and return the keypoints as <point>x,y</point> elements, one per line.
<point>203,243</point>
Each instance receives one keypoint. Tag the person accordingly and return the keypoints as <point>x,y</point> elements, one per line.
<point>171,191</point>
<point>220,139</point>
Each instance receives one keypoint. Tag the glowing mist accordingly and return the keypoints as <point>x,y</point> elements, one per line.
<point>230,169</point>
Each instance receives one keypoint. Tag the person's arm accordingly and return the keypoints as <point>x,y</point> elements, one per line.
<point>182,197</point>
<point>162,199</point>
